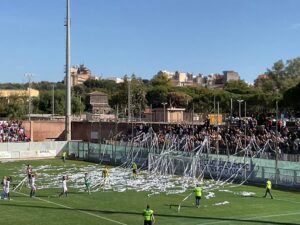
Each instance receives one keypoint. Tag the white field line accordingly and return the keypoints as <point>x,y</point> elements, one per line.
<point>67,207</point>
<point>251,218</point>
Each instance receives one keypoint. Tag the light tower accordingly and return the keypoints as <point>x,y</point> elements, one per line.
<point>68,77</point>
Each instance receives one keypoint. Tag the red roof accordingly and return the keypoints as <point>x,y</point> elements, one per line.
<point>262,76</point>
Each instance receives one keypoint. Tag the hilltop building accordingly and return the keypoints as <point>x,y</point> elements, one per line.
<point>8,94</point>
<point>116,79</point>
<point>258,81</point>
<point>98,103</point>
<point>213,80</point>
<point>79,74</point>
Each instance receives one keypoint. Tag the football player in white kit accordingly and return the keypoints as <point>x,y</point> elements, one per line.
<point>64,186</point>
<point>6,188</point>
<point>32,186</point>
<point>3,182</point>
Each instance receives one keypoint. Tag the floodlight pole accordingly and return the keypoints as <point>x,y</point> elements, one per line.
<point>68,76</point>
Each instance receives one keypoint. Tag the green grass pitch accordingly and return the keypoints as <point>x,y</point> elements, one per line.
<point>110,207</point>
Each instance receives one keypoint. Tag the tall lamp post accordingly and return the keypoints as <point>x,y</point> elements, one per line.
<point>164,104</point>
<point>276,144</point>
<point>240,101</point>
<point>68,110</point>
<point>53,102</point>
<point>129,100</point>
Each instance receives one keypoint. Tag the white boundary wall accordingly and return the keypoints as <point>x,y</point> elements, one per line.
<point>25,150</point>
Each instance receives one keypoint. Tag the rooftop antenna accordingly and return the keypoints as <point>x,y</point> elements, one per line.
<point>68,77</point>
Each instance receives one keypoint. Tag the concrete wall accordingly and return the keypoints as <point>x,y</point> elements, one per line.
<point>32,150</point>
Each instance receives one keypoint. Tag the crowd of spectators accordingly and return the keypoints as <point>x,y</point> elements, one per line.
<point>230,139</point>
<point>12,131</point>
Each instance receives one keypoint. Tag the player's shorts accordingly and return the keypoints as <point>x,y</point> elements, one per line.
<point>147,222</point>
<point>134,171</point>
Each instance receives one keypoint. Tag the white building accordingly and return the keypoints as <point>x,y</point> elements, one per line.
<point>116,79</point>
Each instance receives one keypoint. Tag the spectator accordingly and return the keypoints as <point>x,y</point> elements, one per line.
<point>12,131</point>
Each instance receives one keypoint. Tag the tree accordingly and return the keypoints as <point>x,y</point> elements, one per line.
<point>293,67</point>
<point>107,86</point>
<point>77,105</point>
<point>137,94</point>
<point>266,84</point>
<point>278,70</point>
<point>45,102</point>
<point>237,87</point>
<point>161,79</point>
<point>42,86</point>
<point>156,95</point>
<point>290,98</point>
<point>179,99</point>
<point>16,107</point>
<point>79,90</point>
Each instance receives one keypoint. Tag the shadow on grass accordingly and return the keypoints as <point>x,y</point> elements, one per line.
<point>156,214</point>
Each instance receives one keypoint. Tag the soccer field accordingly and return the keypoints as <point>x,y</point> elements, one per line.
<point>122,200</point>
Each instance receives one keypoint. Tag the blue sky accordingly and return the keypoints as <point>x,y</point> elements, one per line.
<point>118,37</point>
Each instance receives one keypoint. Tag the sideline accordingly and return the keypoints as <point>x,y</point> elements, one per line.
<point>251,218</point>
<point>67,207</point>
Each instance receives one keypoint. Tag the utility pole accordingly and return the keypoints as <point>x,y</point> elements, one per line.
<point>240,101</point>
<point>245,109</point>
<point>53,102</point>
<point>277,119</point>
<point>231,106</point>
<point>193,112</point>
<point>214,104</point>
<point>230,116</point>
<point>151,114</point>
<point>245,124</point>
<point>29,79</point>
<point>276,145</point>
<point>129,100</point>
<point>164,104</point>
<point>218,105</point>
<point>240,120</point>
<point>68,76</point>
<point>117,114</point>
<point>140,112</point>
<point>214,109</point>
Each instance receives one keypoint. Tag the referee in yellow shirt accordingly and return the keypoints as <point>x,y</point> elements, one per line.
<point>268,188</point>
